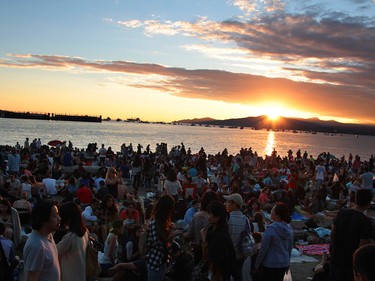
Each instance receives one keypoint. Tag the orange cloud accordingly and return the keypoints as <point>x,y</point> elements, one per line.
<point>325,99</point>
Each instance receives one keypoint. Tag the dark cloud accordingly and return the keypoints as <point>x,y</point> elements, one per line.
<point>325,42</point>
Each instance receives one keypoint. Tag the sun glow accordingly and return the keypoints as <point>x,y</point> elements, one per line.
<point>274,111</point>
<point>273,116</point>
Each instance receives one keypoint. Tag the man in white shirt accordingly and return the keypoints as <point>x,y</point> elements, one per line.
<point>367,179</point>
<point>40,252</point>
<point>49,186</point>
<point>320,173</point>
<point>102,154</point>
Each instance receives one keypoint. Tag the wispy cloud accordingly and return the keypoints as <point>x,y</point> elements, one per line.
<point>342,45</point>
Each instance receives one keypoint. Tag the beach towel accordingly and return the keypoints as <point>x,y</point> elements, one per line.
<point>321,231</point>
<point>314,249</point>
<point>299,217</point>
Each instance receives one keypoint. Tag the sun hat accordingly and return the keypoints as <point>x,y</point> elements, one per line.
<point>235,197</point>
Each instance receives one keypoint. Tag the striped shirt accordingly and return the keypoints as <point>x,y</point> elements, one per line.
<point>237,224</point>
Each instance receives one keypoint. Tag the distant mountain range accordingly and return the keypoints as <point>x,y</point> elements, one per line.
<point>284,123</point>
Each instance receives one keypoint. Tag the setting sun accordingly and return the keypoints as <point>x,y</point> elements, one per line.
<point>274,111</point>
<point>273,116</point>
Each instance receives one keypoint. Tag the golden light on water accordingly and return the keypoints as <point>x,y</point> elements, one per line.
<point>270,143</point>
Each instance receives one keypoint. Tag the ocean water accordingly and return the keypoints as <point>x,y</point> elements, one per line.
<point>212,139</point>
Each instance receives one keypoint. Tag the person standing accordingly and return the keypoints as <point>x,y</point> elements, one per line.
<point>10,217</point>
<point>14,162</point>
<point>172,185</point>
<point>40,253</point>
<point>158,241</point>
<point>238,227</point>
<point>276,247</point>
<point>199,222</point>
<point>350,230</point>
<point>217,243</point>
<point>367,178</point>
<point>137,165</point>
<point>26,144</point>
<point>320,173</point>
<point>73,246</point>
<point>102,154</point>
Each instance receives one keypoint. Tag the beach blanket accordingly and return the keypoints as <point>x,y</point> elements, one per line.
<point>302,258</point>
<point>298,258</point>
<point>321,231</point>
<point>296,216</point>
<point>314,249</point>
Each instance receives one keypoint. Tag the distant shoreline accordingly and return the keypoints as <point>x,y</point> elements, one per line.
<point>49,116</point>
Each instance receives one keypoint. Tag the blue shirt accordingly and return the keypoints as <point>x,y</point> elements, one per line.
<point>189,216</point>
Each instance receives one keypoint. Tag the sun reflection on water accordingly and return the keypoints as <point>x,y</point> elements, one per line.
<point>270,143</point>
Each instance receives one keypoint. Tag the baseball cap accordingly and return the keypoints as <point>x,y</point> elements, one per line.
<point>235,197</point>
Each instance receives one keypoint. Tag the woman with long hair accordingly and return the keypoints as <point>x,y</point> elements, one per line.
<point>276,247</point>
<point>258,224</point>
<point>73,246</point>
<point>10,218</point>
<point>172,185</point>
<point>217,244</point>
<point>199,222</point>
<point>108,214</point>
<point>158,242</point>
<point>112,181</point>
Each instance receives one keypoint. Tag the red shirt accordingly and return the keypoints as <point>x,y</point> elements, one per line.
<point>124,215</point>
<point>189,189</point>
<point>84,195</point>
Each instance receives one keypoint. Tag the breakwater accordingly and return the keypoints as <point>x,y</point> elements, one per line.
<point>49,116</point>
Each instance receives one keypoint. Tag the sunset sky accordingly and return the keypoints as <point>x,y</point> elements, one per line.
<point>166,60</point>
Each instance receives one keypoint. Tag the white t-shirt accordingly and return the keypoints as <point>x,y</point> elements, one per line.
<point>172,187</point>
<point>50,185</point>
<point>26,187</point>
<point>102,152</point>
<point>320,170</point>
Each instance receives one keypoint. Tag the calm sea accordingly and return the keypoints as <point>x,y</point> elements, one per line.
<point>212,139</point>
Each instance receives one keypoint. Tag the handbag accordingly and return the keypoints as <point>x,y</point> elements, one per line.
<point>288,276</point>
<point>92,263</point>
<point>247,244</point>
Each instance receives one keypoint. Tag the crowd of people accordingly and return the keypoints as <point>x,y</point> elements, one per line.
<point>175,214</point>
